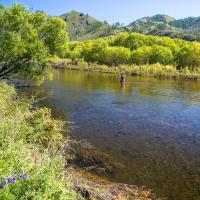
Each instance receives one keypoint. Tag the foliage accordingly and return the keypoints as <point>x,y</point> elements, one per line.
<point>135,48</point>
<point>93,51</point>
<point>30,41</point>
<point>156,70</point>
<point>27,40</point>
<point>116,56</point>
<point>31,142</point>
<point>189,56</point>
<point>151,55</point>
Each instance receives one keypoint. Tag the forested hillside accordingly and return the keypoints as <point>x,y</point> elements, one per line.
<point>161,25</point>
<point>82,27</point>
<point>189,25</point>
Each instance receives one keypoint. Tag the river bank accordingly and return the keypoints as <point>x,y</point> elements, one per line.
<point>151,70</point>
<point>95,188</point>
<point>36,144</point>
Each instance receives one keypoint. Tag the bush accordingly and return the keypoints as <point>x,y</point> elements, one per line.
<point>135,48</point>
<point>31,142</point>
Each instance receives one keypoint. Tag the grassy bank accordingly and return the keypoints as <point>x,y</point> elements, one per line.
<point>155,70</point>
<point>31,144</point>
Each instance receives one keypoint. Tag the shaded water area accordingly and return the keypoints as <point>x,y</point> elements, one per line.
<point>151,126</point>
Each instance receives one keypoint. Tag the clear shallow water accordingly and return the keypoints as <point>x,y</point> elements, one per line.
<point>151,126</point>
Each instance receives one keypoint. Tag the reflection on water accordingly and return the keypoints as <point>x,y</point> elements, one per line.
<point>150,125</point>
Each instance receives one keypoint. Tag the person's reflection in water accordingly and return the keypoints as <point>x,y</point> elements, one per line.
<point>123,87</point>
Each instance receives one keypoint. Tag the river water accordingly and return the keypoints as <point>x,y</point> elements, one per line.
<point>151,126</point>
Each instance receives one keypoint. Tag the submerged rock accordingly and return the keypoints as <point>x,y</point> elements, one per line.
<point>87,157</point>
<point>86,170</point>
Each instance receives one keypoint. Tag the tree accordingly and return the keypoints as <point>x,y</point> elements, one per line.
<point>134,41</point>
<point>93,50</point>
<point>28,40</point>
<point>116,55</point>
<point>141,55</point>
<point>75,50</point>
<point>162,55</point>
<point>136,48</point>
<point>189,56</point>
<point>117,25</point>
<point>152,54</point>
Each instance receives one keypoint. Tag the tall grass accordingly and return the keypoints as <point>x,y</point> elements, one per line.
<point>31,142</point>
<point>156,70</point>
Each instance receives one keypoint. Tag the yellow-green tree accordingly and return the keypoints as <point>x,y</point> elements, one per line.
<point>189,56</point>
<point>27,40</point>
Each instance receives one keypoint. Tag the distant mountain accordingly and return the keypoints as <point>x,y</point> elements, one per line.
<point>161,18</point>
<point>161,25</point>
<point>189,25</point>
<point>83,27</point>
<point>147,24</point>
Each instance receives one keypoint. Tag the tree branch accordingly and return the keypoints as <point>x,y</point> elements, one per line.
<point>8,71</point>
<point>11,69</point>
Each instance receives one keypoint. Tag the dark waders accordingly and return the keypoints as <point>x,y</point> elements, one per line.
<point>122,79</point>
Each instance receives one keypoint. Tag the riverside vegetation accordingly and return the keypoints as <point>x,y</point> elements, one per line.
<point>136,54</point>
<point>30,40</point>
<point>31,141</point>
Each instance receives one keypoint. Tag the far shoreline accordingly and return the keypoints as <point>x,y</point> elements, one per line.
<point>149,70</point>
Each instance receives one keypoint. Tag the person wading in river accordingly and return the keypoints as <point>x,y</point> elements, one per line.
<point>122,77</point>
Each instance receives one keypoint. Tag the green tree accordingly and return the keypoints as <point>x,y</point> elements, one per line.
<point>189,56</point>
<point>116,55</point>
<point>27,40</point>
<point>94,50</point>
<point>162,55</point>
<point>75,50</point>
<point>141,55</point>
<point>152,54</point>
<point>139,49</point>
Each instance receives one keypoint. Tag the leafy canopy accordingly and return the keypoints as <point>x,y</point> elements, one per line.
<point>28,40</point>
<point>139,49</point>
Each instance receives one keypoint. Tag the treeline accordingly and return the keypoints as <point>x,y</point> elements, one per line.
<point>134,48</point>
<point>29,40</point>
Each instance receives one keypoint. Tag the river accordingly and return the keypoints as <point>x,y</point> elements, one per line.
<point>151,126</point>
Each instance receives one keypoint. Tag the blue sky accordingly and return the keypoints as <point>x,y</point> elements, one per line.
<point>123,11</point>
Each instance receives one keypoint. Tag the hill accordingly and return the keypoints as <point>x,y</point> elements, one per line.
<point>189,25</point>
<point>84,27</point>
<point>161,25</point>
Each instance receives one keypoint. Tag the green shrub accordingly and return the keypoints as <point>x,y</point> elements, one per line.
<point>31,142</point>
